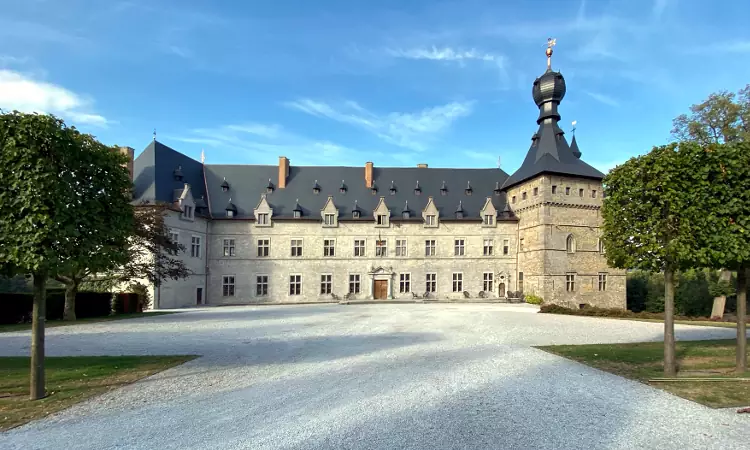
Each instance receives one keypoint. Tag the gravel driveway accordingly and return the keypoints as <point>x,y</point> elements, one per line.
<point>412,376</point>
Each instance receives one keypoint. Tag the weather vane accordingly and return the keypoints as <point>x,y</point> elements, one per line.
<point>574,127</point>
<point>551,42</point>
<point>154,133</point>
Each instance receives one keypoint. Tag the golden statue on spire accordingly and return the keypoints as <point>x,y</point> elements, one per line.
<point>551,42</point>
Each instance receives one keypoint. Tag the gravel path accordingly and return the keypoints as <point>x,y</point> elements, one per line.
<point>415,376</point>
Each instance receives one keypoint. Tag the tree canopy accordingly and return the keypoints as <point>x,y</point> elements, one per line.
<point>724,117</point>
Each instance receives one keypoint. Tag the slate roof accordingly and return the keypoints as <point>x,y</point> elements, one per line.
<point>153,174</point>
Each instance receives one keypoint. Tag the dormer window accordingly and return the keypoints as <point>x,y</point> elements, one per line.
<point>231,209</point>
<point>430,220</point>
<point>355,214</point>
<point>443,189</point>
<point>468,189</point>
<point>187,212</point>
<point>342,188</point>
<point>489,219</point>
<point>270,187</point>
<point>497,190</point>
<point>417,189</point>
<point>316,188</point>
<point>178,173</point>
<point>329,220</point>
<point>534,139</point>
<point>297,214</point>
<point>374,189</point>
<point>460,211</point>
<point>406,213</point>
<point>382,219</point>
<point>230,213</point>
<point>297,211</point>
<point>224,185</point>
<point>392,190</point>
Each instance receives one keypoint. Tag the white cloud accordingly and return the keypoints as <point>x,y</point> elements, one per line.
<point>659,7</point>
<point>737,46</point>
<point>19,92</point>
<point>410,130</point>
<point>445,54</point>
<point>607,100</point>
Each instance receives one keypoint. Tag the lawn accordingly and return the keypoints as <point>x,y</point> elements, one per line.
<point>700,323</point>
<point>695,359</point>
<point>69,381</point>
<point>59,323</point>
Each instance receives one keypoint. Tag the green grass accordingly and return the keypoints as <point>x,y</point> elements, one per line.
<point>59,323</point>
<point>644,361</point>
<point>701,323</point>
<point>69,381</point>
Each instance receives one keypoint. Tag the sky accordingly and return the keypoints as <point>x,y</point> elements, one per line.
<point>342,82</point>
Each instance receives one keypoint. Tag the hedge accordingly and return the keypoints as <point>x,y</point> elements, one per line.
<point>593,311</point>
<point>16,308</point>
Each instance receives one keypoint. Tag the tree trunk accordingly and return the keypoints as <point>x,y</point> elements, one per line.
<point>37,336</point>
<point>742,276</point>
<point>720,302</point>
<point>69,312</point>
<point>670,366</point>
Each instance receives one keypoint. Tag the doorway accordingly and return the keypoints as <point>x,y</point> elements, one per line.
<point>380,289</point>
<point>199,296</point>
<point>502,290</point>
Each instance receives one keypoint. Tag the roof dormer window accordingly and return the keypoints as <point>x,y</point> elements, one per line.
<point>224,185</point>
<point>417,189</point>
<point>355,214</point>
<point>297,211</point>
<point>231,209</point>
<point>178,173</point>
<point>270,187</point>
<point>460,211</point>
<point>497,190</point>
<point>443,189</point>
<point>342,188</point>
<point>406,213</point>
<point>468,189</point>
<point>316,188</point>
<point>374,189</point>
<point>392,190</point>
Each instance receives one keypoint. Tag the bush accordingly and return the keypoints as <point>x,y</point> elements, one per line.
<point>16,308</point>
<point>592,311</point>
<point>534,299</point>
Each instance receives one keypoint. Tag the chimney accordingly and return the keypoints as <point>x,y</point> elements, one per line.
<point>421,166</point>
<point>368,174</point>
<point>129,153</point>
<point>283,171</point>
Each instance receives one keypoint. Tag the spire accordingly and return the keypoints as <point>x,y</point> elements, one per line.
<point>573,143</point>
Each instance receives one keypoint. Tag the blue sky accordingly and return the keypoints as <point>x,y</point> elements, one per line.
<point>346,81</point>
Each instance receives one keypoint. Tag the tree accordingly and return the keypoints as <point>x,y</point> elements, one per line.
<point>50,219</point>
<point>644,211</point>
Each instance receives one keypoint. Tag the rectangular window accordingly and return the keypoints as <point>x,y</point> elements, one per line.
<point>295,284</point>
<point>489,219</point>
<point>602,281</point>
<point>567,191</point>
<point>520,281</point>
<point>174,237</point>
<point>326,284</point>
<point>513,199</point>
<point>264,246</point>
<point>359,247</point>
<point>404,283</point>
<point>381,247</point>
<point>296,246</point>
<point>429,247</point>
<point>570,282</point>
<point>262,218</point>
<point>593,193</point>
<point>261,285</point>
<point>458,247</point>
<point>329,219</point>
<point>489,247</point>
<point>430,282</point>
<point>554,189</point>
<point>228,247</point>
<point>429,219</point>
<point>382,219</point>
<point>488,282</point>
<point>506,246</point>
<point>458,282</point>
<point>523,196</point>
<point>520,244</point>
<point>400,247</point>
<point>580,192</point>
<point>536,191</point>
<point>195,247</point>
<point>329,247</point>
<point>354,285</point>
<point>227,285</point>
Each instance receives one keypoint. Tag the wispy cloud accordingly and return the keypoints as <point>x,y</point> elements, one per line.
<point>180,51</point>
<point>8,60</point>
<point>659,7</point>
<point>445,54</point>
<point>22,93</point>
<point>607,100</point>
<point>485,157</point>
<point>409,130</point>
<point>736,46</point>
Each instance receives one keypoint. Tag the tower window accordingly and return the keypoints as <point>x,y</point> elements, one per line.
<point>593,193</point>
<point>554,189</point>
<point>567,191</point>
<point>536,191</point>
<point>570,244</point>
<point>580,192</point>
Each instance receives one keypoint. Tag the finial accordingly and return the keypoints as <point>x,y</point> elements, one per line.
<point>203,157</point>
<point>498,162</point>
<point>551,42</point>
<point>154,134</point>
<point>574,127</point>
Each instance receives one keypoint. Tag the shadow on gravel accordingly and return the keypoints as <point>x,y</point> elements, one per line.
<point>247,313</point>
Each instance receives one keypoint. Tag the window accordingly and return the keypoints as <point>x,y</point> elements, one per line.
<point>536,191</point>
<point>458,282</point>
<point>296,247</point>
<point>570,244</point>
<point>230,213</point>
<point>297,214</point>
<point>593,193</point>
<point>520,244</point>
<point>570,282</point>
<point>523,196</point>
<point>430,282</point>
<point>263,247</point>
<point>355,214</point>
<point>325,284</point>
<point>329,219</point>
<point>580,192</point>
<point>381,247</point>
<point>429,247</point>
<point>489,247</point>
<point>382,219</point>
<point>554,189</point>
<point>601,246</point>
<point>295,284</point>
<point>187,212</point>
<point>354,285</point>
<point>567,191</point>
<point>329,247</point>
<point>506,246</point>
<point>489,219</point>
<point>602,281</point>
<point>195,247</point>
<point>174,237</point>
<point>520,281</point>
<point>228,247</point>
<point>429,220</point>
<point>262,218</point>
<point>400,247</point>
<point>404,283</point>
<point>513,200</point>
<point>261,285</point>
<point>458,247</point>
<point>359,247</point>
<point>488,282</point>
<point>227,285</point>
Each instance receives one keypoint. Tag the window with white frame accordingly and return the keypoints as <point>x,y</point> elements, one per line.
<point>174,237</point>
<point>430,220</point>
<point>429,247</point>
<point>488,249</point>
<point>404,283</point>
<point>228,247</point>
<point>261,285</point>
<point>195,247</point>
<point>187,212</point>
<point>601,246</point>
<point>381,247</point>
<point>262,219</point>
<point>506,246</point>
<point>264,246</point>
<point>295,284</point>
<point>326,284</point>
<point>227,286</point>
<point>354,284</point>
<point>602,281</point>
<point>458,247</point>
<point>570,282</point>
<point>458,282</point>
<point>382,219</point>
<point>489,219</point>
<point>430,282</point>
<point>329,219</point>
<point>296,247</point>
<point>359,247</point>
<point>329,247</point>
<point>488,281</point>
<point>400,247</point>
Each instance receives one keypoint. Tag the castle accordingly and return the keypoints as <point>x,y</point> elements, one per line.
<point>285,234</point>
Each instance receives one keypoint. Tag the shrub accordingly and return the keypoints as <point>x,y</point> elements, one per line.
<point>144,298</point>
<point>592,311</point>
<point>16,308</point>
<point>534,299</point>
